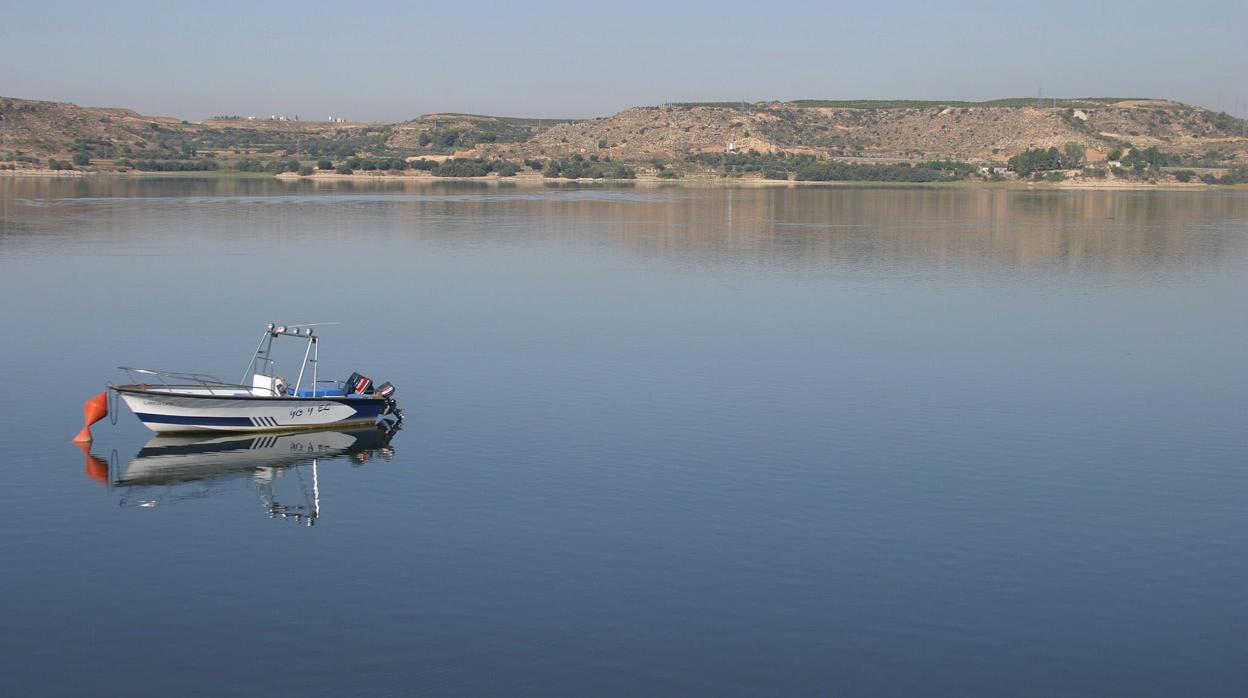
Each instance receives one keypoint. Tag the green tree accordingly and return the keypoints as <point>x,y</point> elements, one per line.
<point>81,158</point>
<point>325,165</point>
<point>1114,154</point>
<point>1073,154</point>
<point>505,168</point>
<point>1035,160</point>
<point>462,167</point>
<point>1149,158</point>
<point>279,165</point>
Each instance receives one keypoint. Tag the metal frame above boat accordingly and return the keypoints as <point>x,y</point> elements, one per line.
<point>264,351</point>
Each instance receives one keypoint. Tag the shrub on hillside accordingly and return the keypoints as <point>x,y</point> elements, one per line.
<point>1036,160</point>
<point>577,167</point>
<point>279,165</point>
<point>175,165</point>
<point>462,167</point>
<point>847,172</point>
<point>1141,159</point>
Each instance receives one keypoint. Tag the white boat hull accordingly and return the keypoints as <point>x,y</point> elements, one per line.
<point>179,412</point>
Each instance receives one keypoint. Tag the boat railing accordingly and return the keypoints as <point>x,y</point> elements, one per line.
<point>174,379</point>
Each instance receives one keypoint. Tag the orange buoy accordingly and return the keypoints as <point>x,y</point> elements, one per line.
<point>93,410</point>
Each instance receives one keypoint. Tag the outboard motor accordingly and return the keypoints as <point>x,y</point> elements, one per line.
<point>386,390</point>
<point>358,385</point>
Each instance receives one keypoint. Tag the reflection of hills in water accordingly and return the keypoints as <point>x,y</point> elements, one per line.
<point>924,228</point>
<point>176,468</point>
<point>929,229</point>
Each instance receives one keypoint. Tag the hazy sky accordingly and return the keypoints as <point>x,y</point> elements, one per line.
<point>388,60</point>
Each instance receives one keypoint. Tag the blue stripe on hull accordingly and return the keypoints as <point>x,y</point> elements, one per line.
<point>208,421</point>
<point>365,411</point>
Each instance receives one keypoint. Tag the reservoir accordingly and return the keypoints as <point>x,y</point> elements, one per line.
<point>659,440</point>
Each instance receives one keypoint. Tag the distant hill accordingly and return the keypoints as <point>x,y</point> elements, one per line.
<point>988,131</point>
<point>880,130</point>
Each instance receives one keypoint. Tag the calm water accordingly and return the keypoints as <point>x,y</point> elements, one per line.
<point>659,441</point>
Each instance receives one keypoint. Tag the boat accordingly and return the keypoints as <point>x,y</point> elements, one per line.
<point>171,401</point>
<point>173,468</point>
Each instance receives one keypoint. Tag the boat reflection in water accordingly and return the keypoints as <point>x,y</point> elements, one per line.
<point>173,468</point>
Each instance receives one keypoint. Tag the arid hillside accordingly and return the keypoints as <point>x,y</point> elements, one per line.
<point>48,128</point>
<point>37,134</point>
<point>976,133</point>
<point>41,129</point>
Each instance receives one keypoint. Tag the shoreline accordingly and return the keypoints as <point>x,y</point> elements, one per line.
<point>696,181</point>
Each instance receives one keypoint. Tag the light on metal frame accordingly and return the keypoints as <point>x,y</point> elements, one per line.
<point>281,329</point>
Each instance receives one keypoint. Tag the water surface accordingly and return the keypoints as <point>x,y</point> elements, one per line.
<point>659,441</point>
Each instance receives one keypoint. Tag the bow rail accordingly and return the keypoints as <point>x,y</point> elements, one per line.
<point>174,379</point>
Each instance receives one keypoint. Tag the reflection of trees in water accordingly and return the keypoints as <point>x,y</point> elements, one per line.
<point>939,228</point>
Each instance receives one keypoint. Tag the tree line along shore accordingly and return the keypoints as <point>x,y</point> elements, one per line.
<point>1135,167</point>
